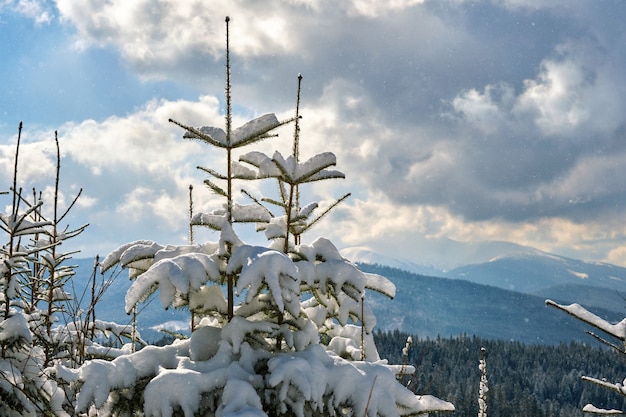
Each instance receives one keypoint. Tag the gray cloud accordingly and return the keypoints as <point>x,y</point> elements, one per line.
<point>466,112</point>
<point>515,151</point>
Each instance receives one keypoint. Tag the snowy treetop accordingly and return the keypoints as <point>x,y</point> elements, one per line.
<point>291,171</point>
<point>252,131</point>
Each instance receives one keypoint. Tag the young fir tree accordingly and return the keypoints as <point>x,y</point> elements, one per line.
<point>23,385</point>
<point>285,339</point>
<point>41,324</point>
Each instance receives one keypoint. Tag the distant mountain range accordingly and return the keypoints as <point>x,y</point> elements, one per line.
<point>438,256</point>
<point>526,270</point>
<point>499,296</point>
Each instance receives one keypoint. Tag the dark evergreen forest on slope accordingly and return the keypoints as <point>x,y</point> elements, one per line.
<point>524,380</point>
<point>431,307</point>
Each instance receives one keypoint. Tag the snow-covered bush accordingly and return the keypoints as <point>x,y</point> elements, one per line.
<point>41,324</point>
<point>292,335</point>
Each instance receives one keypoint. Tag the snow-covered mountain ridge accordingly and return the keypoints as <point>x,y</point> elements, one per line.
<point>440,255</point>
<point>570,280</point>
<point>516,268</point>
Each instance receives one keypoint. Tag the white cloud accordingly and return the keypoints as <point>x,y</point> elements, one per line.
<point>35,161</point>
<point>375,8</point>
<point>617,255</point>
<point>345,120</point>
<point>556,99</point>
<point>417,231</point>
<point>143,141</point>
<point>593,177</point>
<point>37,10</point>
<point>432,184</point>
<point>577,93</point>
<point>171,39</point>
<point>486,111</point>
<point>158,34</point>
<point>155,206</point>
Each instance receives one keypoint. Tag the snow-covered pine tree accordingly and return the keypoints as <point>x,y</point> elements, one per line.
<point>42,324</point>
<point>617,334</point>
<point>23,387</point>
<point>291,344</point>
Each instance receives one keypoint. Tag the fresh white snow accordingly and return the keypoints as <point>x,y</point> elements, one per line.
<point>220,362</point>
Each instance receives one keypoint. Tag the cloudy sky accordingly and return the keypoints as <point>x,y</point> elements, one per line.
<point>465,120</point>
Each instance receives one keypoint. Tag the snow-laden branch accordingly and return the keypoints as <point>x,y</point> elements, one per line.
<point>290,170</point>
<point>616,387</point>
<point>313,380</point>
<point>99,377</point>
<point>617,330</point>
<point>115,256</point>
<point>260,267</point>
<point>237,171</point>
<point>330,268</point>
<point>253,131</point>
<point>241,213</point>
<point>178,275</point>
<point>17,225</point>
<point>591,409</point>
<point>380,284</point>
<point>297,378</point>
<point>15,328</point>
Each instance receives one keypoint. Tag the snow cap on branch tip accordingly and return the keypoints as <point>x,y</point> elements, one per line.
<point>252,131</point>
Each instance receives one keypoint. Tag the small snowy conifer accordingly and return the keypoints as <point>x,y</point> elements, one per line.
<point>42,325</point>
<point>286,339</point>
